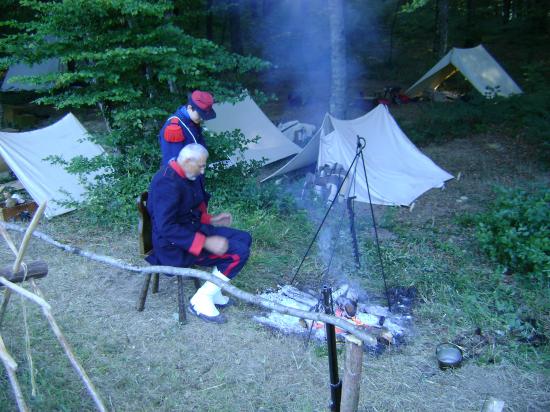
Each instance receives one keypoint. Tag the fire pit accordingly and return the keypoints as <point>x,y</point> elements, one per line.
<point>384,327</point>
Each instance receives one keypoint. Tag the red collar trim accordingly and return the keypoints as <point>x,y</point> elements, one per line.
<point>177,168</point>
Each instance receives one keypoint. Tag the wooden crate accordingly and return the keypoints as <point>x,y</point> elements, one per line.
<point>7,213</point>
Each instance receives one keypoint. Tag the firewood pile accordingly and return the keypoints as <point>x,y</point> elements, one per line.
<point>15,202</point>
<point>384,327</point>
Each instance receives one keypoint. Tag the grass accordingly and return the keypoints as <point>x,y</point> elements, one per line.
<point>145,361</point>
<point>56,382</point>
<point>460,291</point>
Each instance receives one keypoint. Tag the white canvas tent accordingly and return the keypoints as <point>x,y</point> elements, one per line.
<point>397,171</point>
<point>25,153</point>
<point>476,64</point>
<point>273,145</point>
<point>21,69</point>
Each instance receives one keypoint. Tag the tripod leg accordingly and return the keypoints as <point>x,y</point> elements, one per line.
<point>355,246</point>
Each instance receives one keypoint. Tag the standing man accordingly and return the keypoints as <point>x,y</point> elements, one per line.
<point>184,126</point>
<point>184,234</point>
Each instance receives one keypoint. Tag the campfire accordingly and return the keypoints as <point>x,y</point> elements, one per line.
<point>384,327</point>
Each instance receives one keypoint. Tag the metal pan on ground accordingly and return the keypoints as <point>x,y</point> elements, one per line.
<point>448,355</point>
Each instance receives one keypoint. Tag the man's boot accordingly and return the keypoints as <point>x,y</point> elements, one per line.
<point>220,300</point>
<point>202,303</point>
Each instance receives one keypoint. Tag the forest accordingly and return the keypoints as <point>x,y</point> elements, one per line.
<point>473,259</point>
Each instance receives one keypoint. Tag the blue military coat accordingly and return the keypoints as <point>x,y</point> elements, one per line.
<point>180,222</point>
<point>178,131</point>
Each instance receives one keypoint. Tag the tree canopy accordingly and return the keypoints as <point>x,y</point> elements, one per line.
<point>135,62</point>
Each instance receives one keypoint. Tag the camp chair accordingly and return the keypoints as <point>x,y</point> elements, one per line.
<point>146,248</point>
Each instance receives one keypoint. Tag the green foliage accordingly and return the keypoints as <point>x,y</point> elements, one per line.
<point>132,61</point>
<point>278,246</point>
<point>515,233</point>
<point>413,5</point>
<point>458,293</point>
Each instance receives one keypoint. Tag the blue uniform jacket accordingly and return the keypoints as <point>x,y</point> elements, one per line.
<point>179,219</point>
<point>178,131</point>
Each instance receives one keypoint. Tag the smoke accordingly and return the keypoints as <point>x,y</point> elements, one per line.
<point>295,37</point>
<point>333,247</point>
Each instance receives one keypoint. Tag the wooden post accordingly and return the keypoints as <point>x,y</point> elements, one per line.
<point>11,366</point>
<point>47,311</point>
<point>21,253</point>
<point>181,302</point>
<point>36,269</point>
<point>352,374</point>
<point>143,293</point>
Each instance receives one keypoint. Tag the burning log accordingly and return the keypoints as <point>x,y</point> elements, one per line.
<point>380,327</point>
<point>299,296</point>
<point>307,299</point>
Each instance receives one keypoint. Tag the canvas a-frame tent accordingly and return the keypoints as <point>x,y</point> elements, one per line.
<point>396,170</point>
<point>273,145</point>
<point>25,155</point>
<point>22,69</point>
<point>476,64</point>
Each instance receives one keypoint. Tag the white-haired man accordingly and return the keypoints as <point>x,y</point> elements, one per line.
<point>184,234</point>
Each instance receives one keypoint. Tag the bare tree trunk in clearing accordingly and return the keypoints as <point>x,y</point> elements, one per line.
<point>442,27</point>
<point>234,19</point>
<point>337,105</point>
<point>209,20</point>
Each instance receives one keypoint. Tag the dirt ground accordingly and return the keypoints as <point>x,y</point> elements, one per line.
<point>146,361</point>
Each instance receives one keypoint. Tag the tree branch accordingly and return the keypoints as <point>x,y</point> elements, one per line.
<point>194,273</point>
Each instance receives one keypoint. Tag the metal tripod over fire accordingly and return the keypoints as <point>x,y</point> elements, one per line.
<point>361,143</point>
<point>326,301</point>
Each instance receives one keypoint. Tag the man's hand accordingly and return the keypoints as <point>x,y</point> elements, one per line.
<point>217,245</point>
<point>223,219</point>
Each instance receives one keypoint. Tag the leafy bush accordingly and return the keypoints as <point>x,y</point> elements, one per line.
<point>134,62</point>
<point>516,232</point>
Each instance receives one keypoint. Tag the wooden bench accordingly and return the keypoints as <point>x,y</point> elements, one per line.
<point>146,248</point>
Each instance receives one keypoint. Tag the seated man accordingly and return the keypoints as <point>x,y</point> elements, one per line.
<point>184,234</point>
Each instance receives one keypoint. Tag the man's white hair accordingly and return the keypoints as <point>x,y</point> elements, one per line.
<point>193,151</point>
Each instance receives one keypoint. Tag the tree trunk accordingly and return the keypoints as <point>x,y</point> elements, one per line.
<point>234,9</point>
<point>471,39</point>
<point>442,30</point>
<point>338,85</point>
<point>506,4</point>
<point>35,270</point>
<point>209,20</point>
<point>538,16</point>
<point>392,29</point>
<point>469,12</point>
